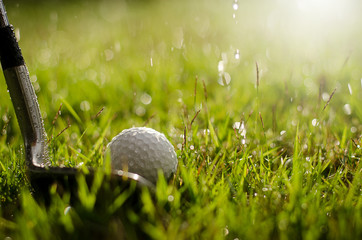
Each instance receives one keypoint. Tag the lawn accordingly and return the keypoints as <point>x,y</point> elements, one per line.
<point>261,100</point>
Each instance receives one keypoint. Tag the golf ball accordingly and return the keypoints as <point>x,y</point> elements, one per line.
<point>143,151</point>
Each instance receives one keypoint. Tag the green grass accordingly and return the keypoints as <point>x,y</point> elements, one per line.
<point>291,171</point>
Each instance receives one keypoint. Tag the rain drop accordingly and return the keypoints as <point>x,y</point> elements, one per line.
<point>140,111</point>
<point>146,99</point>
<point>67,209</point>
<point>236,125</point>
<point>353,129</point>
<point>235,5</point>
<point>237,54</point>
<point>84,106</point>
<point>224,79</point>
<point>350,88</point>
<point>226,231</point>
<point>108,54</point>
<point>220,66</point>
<point>347,109</point>
<point>325,96</point>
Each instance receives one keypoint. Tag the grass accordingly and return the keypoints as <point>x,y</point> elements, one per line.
<point>275,154</point>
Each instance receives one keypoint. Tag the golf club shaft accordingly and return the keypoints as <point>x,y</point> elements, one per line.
<point>22,94</point>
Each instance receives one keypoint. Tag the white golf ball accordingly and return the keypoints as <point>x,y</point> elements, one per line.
<point>143,151</point>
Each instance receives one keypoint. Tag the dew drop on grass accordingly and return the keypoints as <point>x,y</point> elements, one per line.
<point>315,122</point>
<point>224,79</point>
<point>226,231</point>
<point>146,99</point>
<point>282,132</point>
<point>5,118</point>
<point>108,54</point>
<point>84,106</point>
<point>237,54</point>
<point>170,198</point>
<point>140,111</point>
<point>192,147</point>
<point>349,88</point>
<point>347,109</point>
<point>17,34</point>
<point>235,5</point>
<point>236,125</point>
<point>325,96</point>
<point>220,66</point>
<point>353,129</point>
<point>67,209</point>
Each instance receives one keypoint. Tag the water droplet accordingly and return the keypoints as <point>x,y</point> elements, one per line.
<point>220,66</point>
<point>325,96</point>
<point>235,5</point>
<point>33,78</point>
<point>350,88</point>
<point>84,106</point>
<point>140,111</point>
<point>170,198</point>
<point>17,34</point>
<point>67,209</point>
<point>80,164</point>
<point>353,129</point>
<point>315,122</point>
<point>117,46</point>
<point>236,125</point>
<point>237,54</point>
<point>282,132</point>
<point>146,99</point>
<point>226,231</point>
<point>347,109</point>
<point>108,54</point>
<point>224,79</point>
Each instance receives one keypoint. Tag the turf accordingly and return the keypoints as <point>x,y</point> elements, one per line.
<point>268,142</point>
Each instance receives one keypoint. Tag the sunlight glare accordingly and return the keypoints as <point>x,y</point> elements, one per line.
<point>322,8</point>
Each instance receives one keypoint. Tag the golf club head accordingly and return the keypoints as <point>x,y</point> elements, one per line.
<point>42,174</point>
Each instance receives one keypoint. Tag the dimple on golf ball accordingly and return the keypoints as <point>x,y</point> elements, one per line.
<point>143,151</point>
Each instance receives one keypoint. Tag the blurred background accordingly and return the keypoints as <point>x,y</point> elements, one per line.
<point>90,52</point>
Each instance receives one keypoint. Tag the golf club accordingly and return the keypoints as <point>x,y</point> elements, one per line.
<point>41,174</point>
